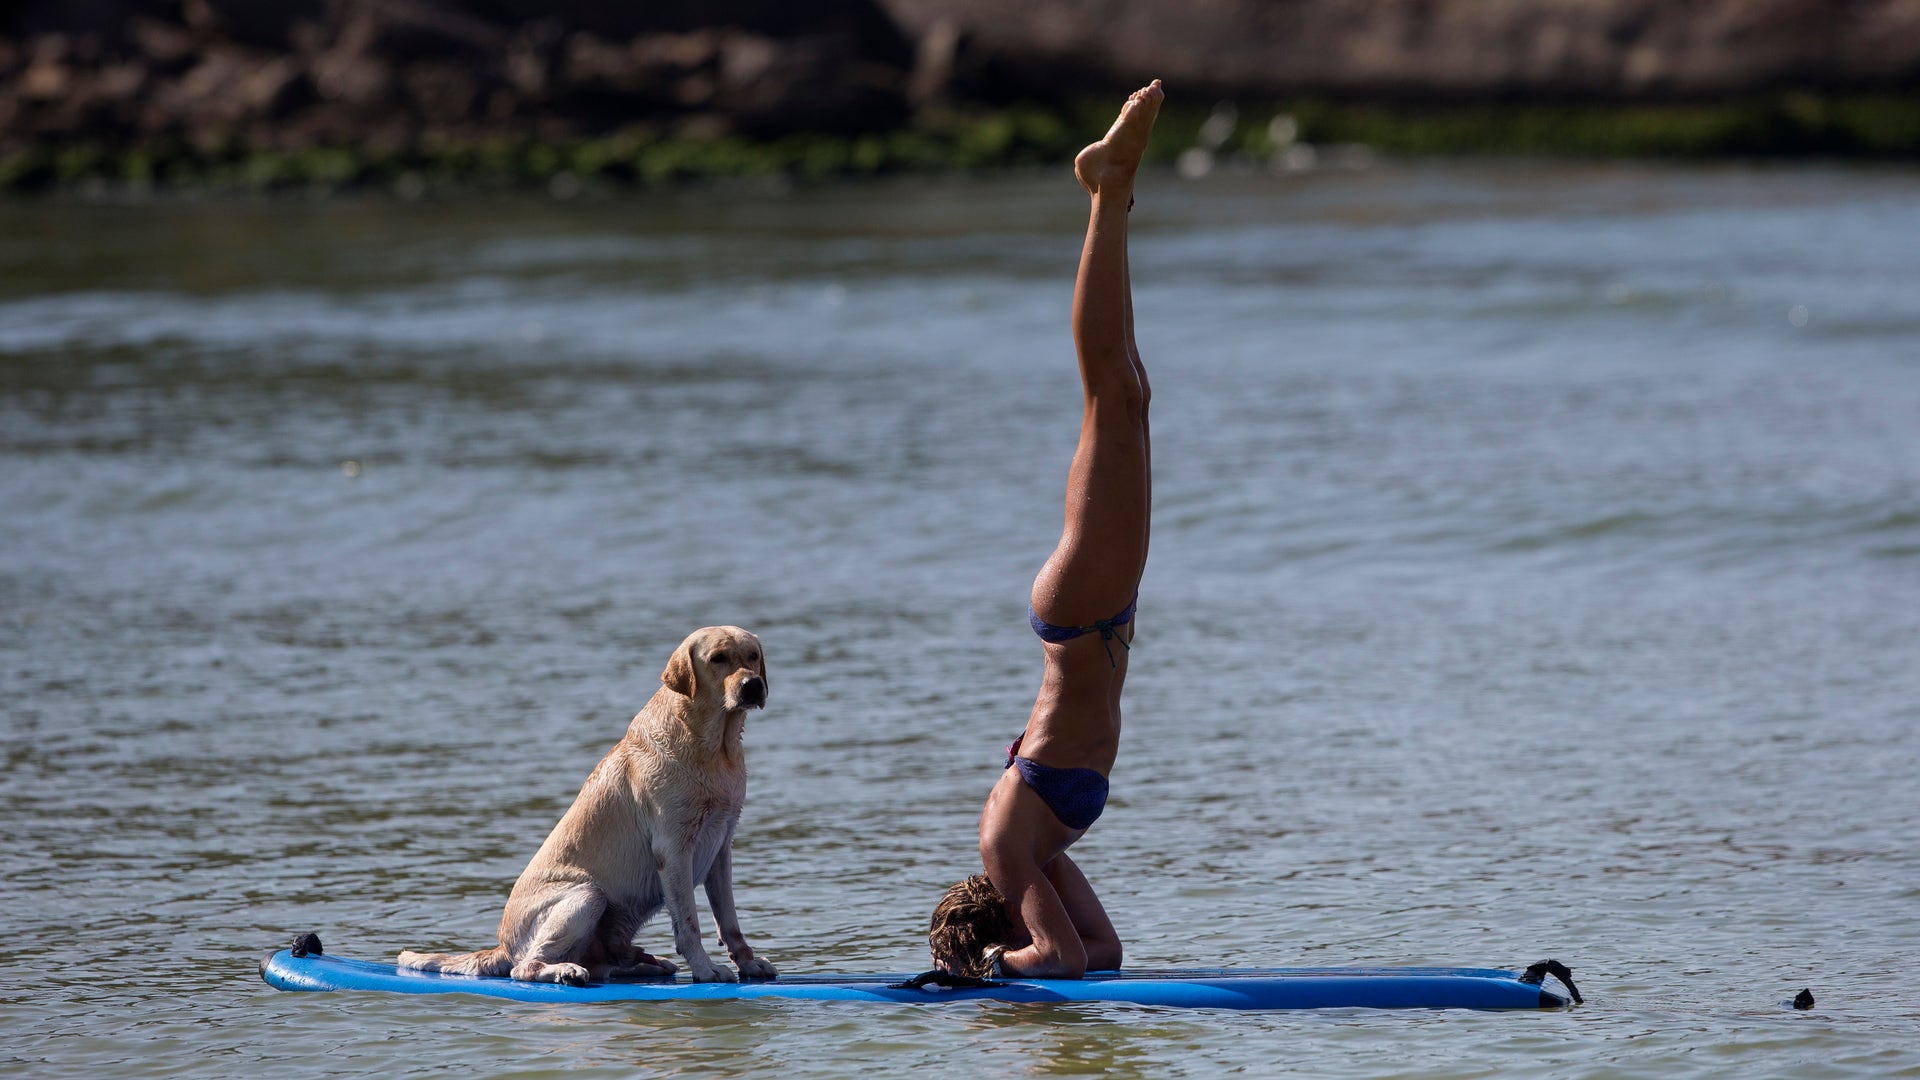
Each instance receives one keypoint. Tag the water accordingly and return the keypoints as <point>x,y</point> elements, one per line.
<point>1536,572</point>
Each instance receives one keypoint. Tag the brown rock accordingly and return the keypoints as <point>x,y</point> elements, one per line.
<point>934,62</point>
<point>816,83</point>
<point>502,106</point>
<point>678,52</point>
<point>211,83</point>
<point>1486,48</point>
<point>201,17</point>
<point>45,82</point>
<point>50,49</point>
<point>588,58</point>
<point>407,30</point>
<point>123,82</point>
<point>273,90</point>
<point>105,102</point>
<point>749,59</point>
<point>352,78</point>
<point>695,91</point>
<point>595,62</point>
<point>263,24</point>
<point>169,49</point>
<point>443,91</point>
<point>532,56</point>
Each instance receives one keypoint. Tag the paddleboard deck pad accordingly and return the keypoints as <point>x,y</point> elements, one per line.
<point>305,968</point>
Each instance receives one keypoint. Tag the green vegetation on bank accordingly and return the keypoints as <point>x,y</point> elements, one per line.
<point>638,156</point>
<point>1783,125</point>
<point>1884,126</point>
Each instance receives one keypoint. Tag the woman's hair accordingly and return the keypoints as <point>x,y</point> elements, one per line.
<point>969,918</point>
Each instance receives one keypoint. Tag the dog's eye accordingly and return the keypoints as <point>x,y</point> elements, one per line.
<point>719,658</point>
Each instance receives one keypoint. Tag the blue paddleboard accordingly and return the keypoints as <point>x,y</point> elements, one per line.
<point>1252,988</point>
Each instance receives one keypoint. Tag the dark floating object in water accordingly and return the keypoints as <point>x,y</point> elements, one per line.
<point>1803,999</point>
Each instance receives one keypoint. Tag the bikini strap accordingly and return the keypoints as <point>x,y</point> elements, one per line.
<point>1108,637</point>
<point>1107,634</point>
<point>1052,634</point>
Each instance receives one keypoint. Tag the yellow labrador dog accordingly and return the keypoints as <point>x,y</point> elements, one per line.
<point>656,816</point>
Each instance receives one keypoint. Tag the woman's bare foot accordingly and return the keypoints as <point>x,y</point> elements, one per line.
<point>1109,164</point>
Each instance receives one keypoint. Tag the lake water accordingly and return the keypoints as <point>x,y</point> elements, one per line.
<point>1536,572</point>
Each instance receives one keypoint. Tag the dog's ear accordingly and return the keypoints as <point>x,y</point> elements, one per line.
<point>682,675</point>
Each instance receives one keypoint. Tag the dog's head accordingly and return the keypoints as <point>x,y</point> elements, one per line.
<point>724,661</point>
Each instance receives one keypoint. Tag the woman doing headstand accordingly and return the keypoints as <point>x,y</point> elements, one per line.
<point>1033,911</point>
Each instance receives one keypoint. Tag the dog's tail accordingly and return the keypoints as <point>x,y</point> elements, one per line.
<point>494,961</point>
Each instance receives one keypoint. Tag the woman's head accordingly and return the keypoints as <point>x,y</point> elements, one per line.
<point>971,917</point>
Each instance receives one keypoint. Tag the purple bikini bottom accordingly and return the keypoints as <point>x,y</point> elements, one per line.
<point>1076,796</point>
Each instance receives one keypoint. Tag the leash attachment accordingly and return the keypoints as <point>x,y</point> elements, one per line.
<point>945,980</point>
<point>1537,973</point>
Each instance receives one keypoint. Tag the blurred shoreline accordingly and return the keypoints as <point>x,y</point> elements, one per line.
<point>420,96</point>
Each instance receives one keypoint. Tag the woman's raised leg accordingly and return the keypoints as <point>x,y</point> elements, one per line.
<point>1095,570</point>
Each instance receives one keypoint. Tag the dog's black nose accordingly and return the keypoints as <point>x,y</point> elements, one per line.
<point>753,691</point>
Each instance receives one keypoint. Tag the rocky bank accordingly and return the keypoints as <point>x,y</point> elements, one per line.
<point>1585,50</point>
<point>133,88</point>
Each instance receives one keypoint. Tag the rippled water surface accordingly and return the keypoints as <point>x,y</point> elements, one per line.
<point>1536,571</point>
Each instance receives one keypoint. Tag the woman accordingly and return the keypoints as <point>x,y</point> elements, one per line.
<point>1033,912</point>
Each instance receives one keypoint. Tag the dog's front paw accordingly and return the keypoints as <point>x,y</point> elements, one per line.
<point>705,970</point>
<point>567,974</point>
<point>757,967</point>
